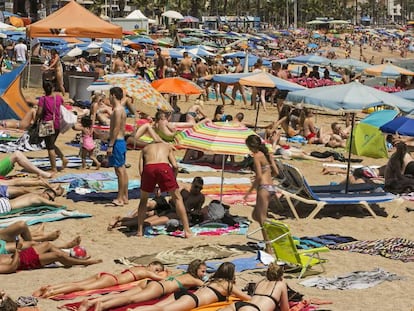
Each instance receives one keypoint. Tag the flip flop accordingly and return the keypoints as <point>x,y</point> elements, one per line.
<point>115,203</point>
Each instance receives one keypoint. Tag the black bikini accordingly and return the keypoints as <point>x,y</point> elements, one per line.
<point>270,296</point>
<point>185,292</point>
<point>220,297</point>
<point>241,304</point>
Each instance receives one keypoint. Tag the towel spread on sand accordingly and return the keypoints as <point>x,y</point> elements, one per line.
<point>101,291</point>
<point>205,229</point>
<point>215,180</point>
<point>47,216</point>
<point>101,197</point>
<point>196,168</point>
<point>184,255</point>
<point>393,248</point>
<point>353,280</point>
<point>231,199</point>
<point>99,185</point>
<point>97,176</point>
<point>74,161</point>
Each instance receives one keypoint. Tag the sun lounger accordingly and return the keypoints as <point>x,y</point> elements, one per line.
<point>300,191</point>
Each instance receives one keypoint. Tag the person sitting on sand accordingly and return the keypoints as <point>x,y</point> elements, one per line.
<point>154,271</point>
<point>395,179</point>
<point>312,134</point>
<point>8,162</point>
<point>47,197</point>
<point>270,294</point>
<point>150,290</point>
<point>101,110</point>
<point>195,112</point>
<point>163,127</point>
<point>218,289</point>
<point>284,122</point>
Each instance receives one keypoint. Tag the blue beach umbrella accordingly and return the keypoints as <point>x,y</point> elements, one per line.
<point>309,59</point>
<point>380,117</point>
<point>401,125</point>
<point>409,95</point>
<point>350,63</point>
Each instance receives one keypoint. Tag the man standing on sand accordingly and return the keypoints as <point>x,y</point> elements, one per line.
<point>158,166</point>
<point>117,145</point>
<point>186,69</point>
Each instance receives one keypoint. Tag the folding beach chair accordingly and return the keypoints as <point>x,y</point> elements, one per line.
<point>302,192</point>
<point>284,247</point>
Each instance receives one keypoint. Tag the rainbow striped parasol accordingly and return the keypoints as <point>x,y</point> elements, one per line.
<point>216,137</point>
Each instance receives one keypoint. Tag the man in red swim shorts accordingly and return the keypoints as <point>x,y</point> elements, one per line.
<point>158,166</point>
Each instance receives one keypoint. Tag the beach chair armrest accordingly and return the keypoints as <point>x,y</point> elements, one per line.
<point>313,250</point>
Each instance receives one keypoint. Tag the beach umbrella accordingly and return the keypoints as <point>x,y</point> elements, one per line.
<point>309,59</point>
<point>350,63</point>
<point>189,19</point>
<point>252,59</point>
<point>200,51</point>
<point>264,79</point>
<point>99,85</point>
<point>176,85</point>
<point>409,95</point>
<point>388,70</point>
<point>351,97</point>
<point>139,89</point>
<point>220,138</point>
<point>400,125</point>
<point>172,14</point>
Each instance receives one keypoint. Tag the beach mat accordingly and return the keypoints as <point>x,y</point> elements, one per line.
<point>101,197</point>
<point>215,180</point>
<point>184,255</point>
<point>94,176</point>
<point>42,217</point>
<point>101,291</point>
<point>74,162</point>
<point>231,199</point>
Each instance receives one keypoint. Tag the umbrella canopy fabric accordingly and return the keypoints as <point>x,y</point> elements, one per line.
<point>351,97</point>
<point>409,95</point>
<point>401,125</point>
<point>172,14</point>
<point>309,59</point>
<point>380,117</point>
<point>388,70</point>
<point>216,137</point>
<point>264,79</point>
<point>350,63</point>
<point>139,89</point>
<point>229,78</point>
<point>176,85</point>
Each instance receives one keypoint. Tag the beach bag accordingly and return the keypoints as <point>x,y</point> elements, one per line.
<point>46,128</point>
<point>215,210</point>
<point>33,132</point>
<point>67,119</point>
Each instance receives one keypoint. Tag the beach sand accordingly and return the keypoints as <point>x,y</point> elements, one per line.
<point>348,221</point>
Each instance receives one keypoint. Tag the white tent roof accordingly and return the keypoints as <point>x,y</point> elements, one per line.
<point>137,14</point>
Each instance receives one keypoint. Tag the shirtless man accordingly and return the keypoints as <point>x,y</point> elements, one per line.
<point>201,73</point>
<point>193,198</point>
<point>163,128</point>
<point>119,65</point>
<point>186,69</point>
<point>117,145</point>
<point>237,86</point>
<point>158,166</point>
<point>160,64</point>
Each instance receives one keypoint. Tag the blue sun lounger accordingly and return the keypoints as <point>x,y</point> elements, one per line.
<point>304,193</point>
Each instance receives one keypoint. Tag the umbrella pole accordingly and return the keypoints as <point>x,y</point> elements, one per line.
<point>257,116</point>
<point>222,177</point>
<point>348,168</point>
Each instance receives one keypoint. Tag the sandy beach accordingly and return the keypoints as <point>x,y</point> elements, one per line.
<point>347,221</point>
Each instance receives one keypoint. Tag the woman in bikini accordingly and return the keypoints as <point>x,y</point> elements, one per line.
<point>265,168</point>
<point>101,280</point>
<point>270,294</point>
<point>218,289</point>
<point>150,290</point>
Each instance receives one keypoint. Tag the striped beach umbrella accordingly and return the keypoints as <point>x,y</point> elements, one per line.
<point>216,138</point>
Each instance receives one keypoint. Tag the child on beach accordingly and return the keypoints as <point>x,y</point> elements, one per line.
<point>88,145</point>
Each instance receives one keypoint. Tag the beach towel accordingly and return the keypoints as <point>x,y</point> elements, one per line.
<point>231,199</point>
<point>49,216</point>
<point>99,185</point>
<point>96,176</point>
<point>392,248</point>
<point>101,291</point>
<point>215,180</point>
<point>101,197</point>
<point>74,162</point>
<point>196,168</point>
<point>207,229</point>
<point>227,189</point>
<point>353,280</point>
<point>21,144</point>
<point>183,255</point>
